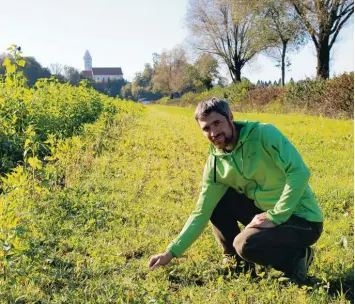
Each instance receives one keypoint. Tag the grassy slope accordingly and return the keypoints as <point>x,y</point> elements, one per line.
<point>146,185</point>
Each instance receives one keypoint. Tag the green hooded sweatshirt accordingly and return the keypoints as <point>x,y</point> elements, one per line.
<point>264,166</point>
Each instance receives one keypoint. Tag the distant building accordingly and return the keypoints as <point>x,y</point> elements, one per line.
<point>100,74</point>
<point>143,101</point>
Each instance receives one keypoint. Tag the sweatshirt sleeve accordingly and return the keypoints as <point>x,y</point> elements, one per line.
<point>297,174</point>
<point>210,195</point>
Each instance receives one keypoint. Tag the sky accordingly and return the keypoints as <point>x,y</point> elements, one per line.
<point>125,34</point>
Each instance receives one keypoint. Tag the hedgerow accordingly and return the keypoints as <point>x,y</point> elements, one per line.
<point>331,98</point>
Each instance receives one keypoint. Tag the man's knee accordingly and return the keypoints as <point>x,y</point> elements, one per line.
<point>246,245</point>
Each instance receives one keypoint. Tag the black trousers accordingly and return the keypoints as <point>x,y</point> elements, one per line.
<point>279,247</point>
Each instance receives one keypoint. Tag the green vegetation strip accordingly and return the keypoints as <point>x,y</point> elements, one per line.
<point>91,237</point>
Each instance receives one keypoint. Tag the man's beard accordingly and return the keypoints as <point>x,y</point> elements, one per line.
<point>226,140</point>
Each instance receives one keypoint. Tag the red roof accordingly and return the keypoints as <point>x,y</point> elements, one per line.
<point>107,71</point>
<point>88,74</point>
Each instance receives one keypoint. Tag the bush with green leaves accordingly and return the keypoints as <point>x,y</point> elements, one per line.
<point>163,100</point>
<point>305,92</point>
<point>188,98</point>
<point>51,108</point>
<point>333,97</point>
<point>236,92</point>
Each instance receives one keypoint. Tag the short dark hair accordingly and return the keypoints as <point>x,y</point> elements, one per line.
<point>206,106</point>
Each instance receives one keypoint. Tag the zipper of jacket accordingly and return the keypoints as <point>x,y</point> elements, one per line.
<point>251,180</point>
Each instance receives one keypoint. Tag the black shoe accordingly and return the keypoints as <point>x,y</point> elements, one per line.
<point>299,273</point>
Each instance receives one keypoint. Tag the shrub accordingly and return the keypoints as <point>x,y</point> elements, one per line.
<point>332,97</point>
<point>163,100</point>
<point>236,92</point>
<point>214,92</point>
<point>339,95</point>
<point>188,98</point>
<point>305,92</point>
<point>263,96</point>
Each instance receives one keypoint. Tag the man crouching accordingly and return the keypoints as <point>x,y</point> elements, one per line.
<point>255,176</point>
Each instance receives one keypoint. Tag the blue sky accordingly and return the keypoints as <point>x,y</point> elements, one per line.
<point>126,33</point>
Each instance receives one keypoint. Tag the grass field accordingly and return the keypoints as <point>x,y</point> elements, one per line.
<point>98,232</point>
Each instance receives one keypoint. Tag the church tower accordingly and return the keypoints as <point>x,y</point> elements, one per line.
<point>87,61</point>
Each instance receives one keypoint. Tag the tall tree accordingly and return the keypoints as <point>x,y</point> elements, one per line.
<point>227,30</point>
<point>169,73</point>
<point>283,30</point>
<point>201,75</point>
<point>126,91</point>
<point>207,67</point>
<point>156,59</point>
<point>147,75</point>
<point>323,20</point>
<point>178,61</point>
<point>138,80</point>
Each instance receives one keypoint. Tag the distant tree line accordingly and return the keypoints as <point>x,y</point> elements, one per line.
<point>33,71</point>
<point>262,83</point>
<point>172,75</point>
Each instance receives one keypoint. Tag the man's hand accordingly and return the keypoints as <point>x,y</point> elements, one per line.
<point>160,260</point>
<point>260,221</point>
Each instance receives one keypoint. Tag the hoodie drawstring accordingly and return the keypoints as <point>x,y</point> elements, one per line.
<point>242,159</point>
<point>215,169</point>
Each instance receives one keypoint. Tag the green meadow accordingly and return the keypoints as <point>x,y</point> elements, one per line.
<point>90,234</point>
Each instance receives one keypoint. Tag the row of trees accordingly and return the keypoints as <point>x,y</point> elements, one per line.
<point>235,31</point>
<point>33,71</point>
<point>173,73</point>
<point>262,83</point>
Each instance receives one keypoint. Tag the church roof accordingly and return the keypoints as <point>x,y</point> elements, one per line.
<point>88,74</point>
<point>107,71</point>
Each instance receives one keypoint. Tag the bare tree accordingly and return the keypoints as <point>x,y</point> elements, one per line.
<point>56,69</point>
<point>226,29</point>
<point>284,31</point>
<point>323,20</point>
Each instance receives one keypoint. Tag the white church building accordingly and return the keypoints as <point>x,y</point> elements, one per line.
<point>100,74</point>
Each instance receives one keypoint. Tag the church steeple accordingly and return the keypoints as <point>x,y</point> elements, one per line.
<point>87,61</point>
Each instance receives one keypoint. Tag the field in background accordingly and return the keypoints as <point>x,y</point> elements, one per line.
<point>90,235</point>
